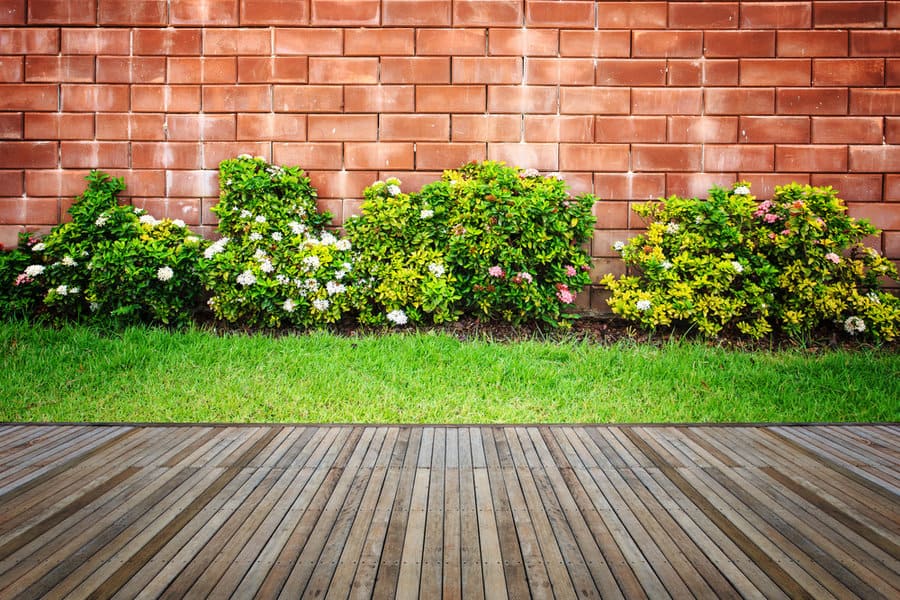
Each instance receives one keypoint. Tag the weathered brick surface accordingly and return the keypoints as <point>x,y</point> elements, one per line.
<point>628,100</point>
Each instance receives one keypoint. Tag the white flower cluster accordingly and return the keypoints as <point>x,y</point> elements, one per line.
<point>34,270</point>
<point>297,228</point>
<point>666,265</point>
<point>393,190</point>
<point>179,223</point>
<point>328,239</point>
<point>148,220</point>
<point>436,269</point>
<point>276,236</point>
<point>530,173</point>
<point>39,247</point>
<point>101,220</point>
<point>246,214</point>
<point>164,273</point>
<point>311,262</point>
<point>618,246</point>
<point>397,317</point>
<point>266,266</point>
<point>255,236</point>
<point>643,305</point>
<point>321,305</point>
<point>742,190</point>
<point>426,213</point>
<point>738,267</point>
<point>260,219</point>
<point>343,245</point>
<point>673,227</point>
<point>246,278</point>
<point>333,287</point>
<point>288,305</point>
<point>65,290</point>
<point>68,261</point>
<point>215,248</point>
<point>854,325</point>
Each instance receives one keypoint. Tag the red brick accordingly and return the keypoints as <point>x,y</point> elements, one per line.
<point>611,214</point>
<point>167,42</point>
<point>737,101</point>
<point>96,41</point>
<point>129,126</point>
<point>652,44</point>
<point>12,69</point>
<point>560,13</point>
<point>488,128</point>
<point>420,69</point>
<point>629,186</point>
<point>274,69</point>
<point>666,101</point>
<point>29,96</point>
<point>31,211</point>
<point>495,70</point>
<point>77,97</point>
<point>328,128</point>
<point>59,126</point>
<point>767,72</point>
<point>666,157</point>
<point>892,130</point>
<point>165,155</point>
<point>186,209</point>
<point>884,216</point>
<point>216,152</point>
<point>413,128</point>
<point>522,99</point>
<point>307,98</point>
<point>191,69</point>
<point>342,184</point>
<point>631,72</point>
<point>875,43</point>
<point>281,127</point>
<point>275,12</point>
<point>132,12</point>
<point>893,14</point>
<point>604,239</point>
<point>29,155</point>
<point>203,127</point>
<point>166,98</point>
<point>487,13</point>
<point>846,15</point>
<point>739,44</point>
<point>142,183</point>
<point>718,72</point>
<point>646,130</point>
<point>892,187</point>
<point>93,155</point>
<point>892,72</point>
<point>378,155</point>
<point>558,128</point>
<point>559,71</point>
<point>192,184</point>
<point>847,130</point>
<point>435,156</point>
<point>812,43</point>
<point>701,130</point>
<point>703,15</point>
<point>874,159</point>
<point>122,69</point>
<point>446,98</point>
<point>55,183</point>
<point>447,42</point>
<point>33,40</point>
<point>208,12</point>
<point>237,41</point>
<point>420,13</point>
<point>577,184</point>
<point>813,158</point>
<point>852,71</point>
<point>378,42</point>
<point>776,15</point>
<point>12,183</point>
<point>875,102</point>
<point>340,12</point>
<point>774,130</point>
<point>543,157</point>
<point>237,98</point>
<point>593,157</point>
<point>309,156</point>
<point>632,15</point>
<point>683,72</point>
<point>696,185</point>
<point>805,101</point>
<point>892,245</point>
<point>595,44</point>
<point>594,100</point>
<point>11,127</point>
<point>62,12</point>
<point>764,184</point>
<point>13,12</point>
<point>59,69</point>
<point>379,98</point>
<point>523,42</point>
<point>328,70</point>
<point>735,157</point>
<point>333,206</point>
<point>853,188</point>
<point>309,42</point>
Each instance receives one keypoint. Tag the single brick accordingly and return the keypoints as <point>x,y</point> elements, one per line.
<point>416,13</point>
<point>165,155</point>
<point>594,100</point>
<point>62,12</point>
<point>666,157</point>
<point>93,155</point>
<point>669,43</point>
<point>848,71</point>
<point>311,155</point>
<point>11,127</point>
<point>451,42</point>
<point>345,14</point>
<point>595,44</point>
<point>192,184</point>
<point>205,70</point>
<point>12,69</point>
<point>559,71</point>
<point>494,70</point>
<point>560,13</point>
<point>131,126</point>
<point>28,155</point>
<point>329,70</point>
<point>327,128</point>
<point>415,128</point>
<point>271,126</point>
<point>237,98</point>
<point>488,128</point>
<point>272,69</point>
<point>811,101</point>
<point>632,15</point>
<point>419,69</point>
<point>59,69</point>
<point>379,98</point>
<point>847,15</point>
<point>488,13</point>
<point>447,99</point>
<point>59,126</point>
<point>739,44</point>
<point>812,43</point>
<point>883,215</point>
<point>847,130</point>
<point>647,130</point>
<point>96,41</point>
<point>593,157</point>
<point>522,99</point>
<point>274,12</point>
<point>37,40</point>
<point>768,72</point>
<point>29,96</point>
<point>55,183</point>
<point>559,128</point>
<point>201,127</point>
<point>166,98</point>
<point>77,97</point>
<point>130,69</point>
<point>701,130</point>
<point>307,98</point>
<point>309,42</point>
<point>378,155</point>
<point>851,187</point>
<point>738,101</point>
<point>237,41</point>
<point>30,211</point>
<point>875,159</point>
<point>435,156</point>
<point>132,12</point>
<point>543,157</point>
<point>703,15</point>
<point>813,158</point>
<point>208,12</point>
<point>629,186</point>
<point>875,43</point>
<point>167,42</point>
<point>631,72</point>
<point>523,42</point>
<point>774,130</point>
<point>776,15</point>
<point>734,157</point>
<point>378,42</point>
<point>662,101</point>
<point>875,101</point>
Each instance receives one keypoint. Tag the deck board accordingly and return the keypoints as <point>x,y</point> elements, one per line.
<point>144,511</point>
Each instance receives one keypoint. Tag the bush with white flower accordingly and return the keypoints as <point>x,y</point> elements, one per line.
<point>275,264</point>
<point>791,263</point>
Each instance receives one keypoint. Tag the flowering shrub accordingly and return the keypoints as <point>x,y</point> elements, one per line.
<point>275,264</point>
<point>513,240</point>
<point>106,262</point>
<point>793,262</point>
<point>18,270</point>
<point>401,273</point>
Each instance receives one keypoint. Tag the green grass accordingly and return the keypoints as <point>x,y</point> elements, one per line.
<point>150,375</point>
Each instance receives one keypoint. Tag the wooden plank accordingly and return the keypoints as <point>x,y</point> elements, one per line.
<point>433,549</point>
<point>470,549</point>
<point>451,586</point>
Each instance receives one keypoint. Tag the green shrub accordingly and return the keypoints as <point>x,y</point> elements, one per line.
<point>20,294</point>
<point>512,239</point>
<point>274,264</point>
<point>792,263</point>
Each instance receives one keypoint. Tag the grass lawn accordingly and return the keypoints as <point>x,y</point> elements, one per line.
<point>80,374</point>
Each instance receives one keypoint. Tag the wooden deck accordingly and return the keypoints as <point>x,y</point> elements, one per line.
<point>452,512</point>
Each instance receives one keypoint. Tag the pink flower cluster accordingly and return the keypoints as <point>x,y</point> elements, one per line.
<point>563,293</point>
<point>496,271</point>
<point>22,279</point>
<point>763,212</point>
<point>833,257</point>
<point>570,271</point>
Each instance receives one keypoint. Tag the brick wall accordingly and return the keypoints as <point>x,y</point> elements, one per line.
<point>629,100</point>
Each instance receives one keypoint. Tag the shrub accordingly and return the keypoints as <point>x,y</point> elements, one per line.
<point>512,239</point>
<point>20,296</point>
<point>113,263</point>
<point>793,263</point>
<point>275,264</point>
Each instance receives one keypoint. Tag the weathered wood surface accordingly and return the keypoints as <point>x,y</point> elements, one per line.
<point>453,512</point>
